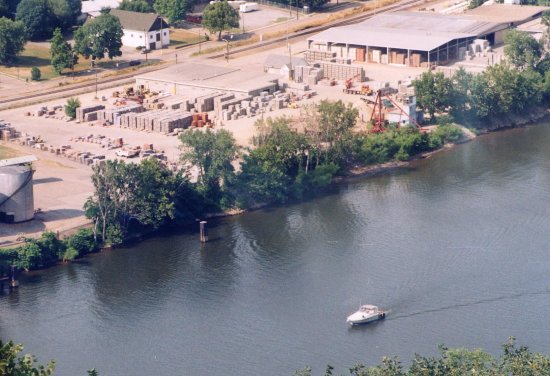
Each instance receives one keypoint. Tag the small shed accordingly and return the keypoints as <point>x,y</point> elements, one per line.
<point>281,64</point>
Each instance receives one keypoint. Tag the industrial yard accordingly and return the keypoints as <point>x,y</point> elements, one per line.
<point>143,120</point>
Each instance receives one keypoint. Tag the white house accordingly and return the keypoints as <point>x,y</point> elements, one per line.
<point>143,29</point>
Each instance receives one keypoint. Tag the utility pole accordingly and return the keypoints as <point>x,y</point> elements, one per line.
<point>95,83</point>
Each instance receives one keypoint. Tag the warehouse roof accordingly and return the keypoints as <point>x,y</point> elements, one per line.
<point>507,13</point>
<point>211,77</point>
<point>408,30</point>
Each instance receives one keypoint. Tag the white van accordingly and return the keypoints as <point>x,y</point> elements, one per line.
<point>248,7</point>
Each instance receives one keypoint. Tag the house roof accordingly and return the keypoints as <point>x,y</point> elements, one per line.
<point>139,21</point>
<point>279,61</point>
<point>408,30</point>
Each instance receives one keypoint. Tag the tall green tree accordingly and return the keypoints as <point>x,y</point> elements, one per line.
<point>522,49</point>
<point>461,90</point>
<point>12,39</point>
<point>220,16</point>
<point>173,10</point>
<point>37,17</point>
<point>140,6</point>
<point>61,52</point>
<point>99,37</point>
<point>4,9</point>
<point>212,154</point>
<point>433,92</point>
<point>126,193</point>
<point>65,12</point>
<point>336,121</point>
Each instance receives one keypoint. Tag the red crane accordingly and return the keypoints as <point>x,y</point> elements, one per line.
<point>377,115</point>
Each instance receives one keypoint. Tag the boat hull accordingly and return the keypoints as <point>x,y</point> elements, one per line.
<point>366,320</point>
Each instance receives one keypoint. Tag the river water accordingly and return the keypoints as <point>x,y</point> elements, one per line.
<point>456,246</point>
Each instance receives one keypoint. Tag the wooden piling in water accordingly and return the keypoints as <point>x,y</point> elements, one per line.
<point>13,277</point>
<point>203,232</point>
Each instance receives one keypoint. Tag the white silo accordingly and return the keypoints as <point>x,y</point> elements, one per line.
<point>16,193</point>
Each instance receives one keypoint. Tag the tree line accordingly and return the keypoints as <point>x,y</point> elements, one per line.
<point>515,360</point>
<point>40,17</point>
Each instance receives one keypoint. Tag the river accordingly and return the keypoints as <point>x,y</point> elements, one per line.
<point>456,246</point>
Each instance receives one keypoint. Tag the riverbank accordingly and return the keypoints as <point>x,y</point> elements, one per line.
<point>354,172</point>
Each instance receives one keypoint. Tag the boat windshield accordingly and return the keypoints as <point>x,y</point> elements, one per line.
<point>368,308</point>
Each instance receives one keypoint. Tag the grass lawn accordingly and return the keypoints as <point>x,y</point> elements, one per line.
<point>36,55</point>
<point>180,37</point>
<point>6,152</point>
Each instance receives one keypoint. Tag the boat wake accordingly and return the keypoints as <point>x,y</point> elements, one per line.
<point>465,305</point>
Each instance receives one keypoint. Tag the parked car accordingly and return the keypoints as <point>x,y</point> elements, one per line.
<point>145,51</point>
<point>134,62</point>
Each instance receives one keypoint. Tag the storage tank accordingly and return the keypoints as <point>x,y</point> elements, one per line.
<point>16,194</point>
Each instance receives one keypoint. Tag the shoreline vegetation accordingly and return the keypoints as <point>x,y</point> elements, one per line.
<point>514,360</point>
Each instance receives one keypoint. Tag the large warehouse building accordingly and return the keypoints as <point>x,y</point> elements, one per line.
<point>419,39</point>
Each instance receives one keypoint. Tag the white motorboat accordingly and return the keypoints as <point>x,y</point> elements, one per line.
<point>366,314</point>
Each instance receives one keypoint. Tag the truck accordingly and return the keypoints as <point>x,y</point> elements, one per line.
<point>248,7</point>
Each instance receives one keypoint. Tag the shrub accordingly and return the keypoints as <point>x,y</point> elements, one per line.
<point>29,256</point>
<point>82,242</point>
<point>35,74</point>
<point>70,254</point>
<point>71,106</point>
<point>444,134</point>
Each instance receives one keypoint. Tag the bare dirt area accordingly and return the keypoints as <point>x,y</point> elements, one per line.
<point>60,189</point>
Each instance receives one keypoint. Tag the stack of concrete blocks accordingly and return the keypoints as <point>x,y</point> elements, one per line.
<point>341,72</point>
<point>339,60</point>
<point>82,111</point>
<point>112,115</point>
<point>312,56</point>
<point>163,121</point>
<point>172,120</point>
<point>206,103</point>
<point>479,46</point>
<point>229,107</point>
<point>308,75</point>
<point>298,89</point>
<point>139,121</point>
<point>7,132</point>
